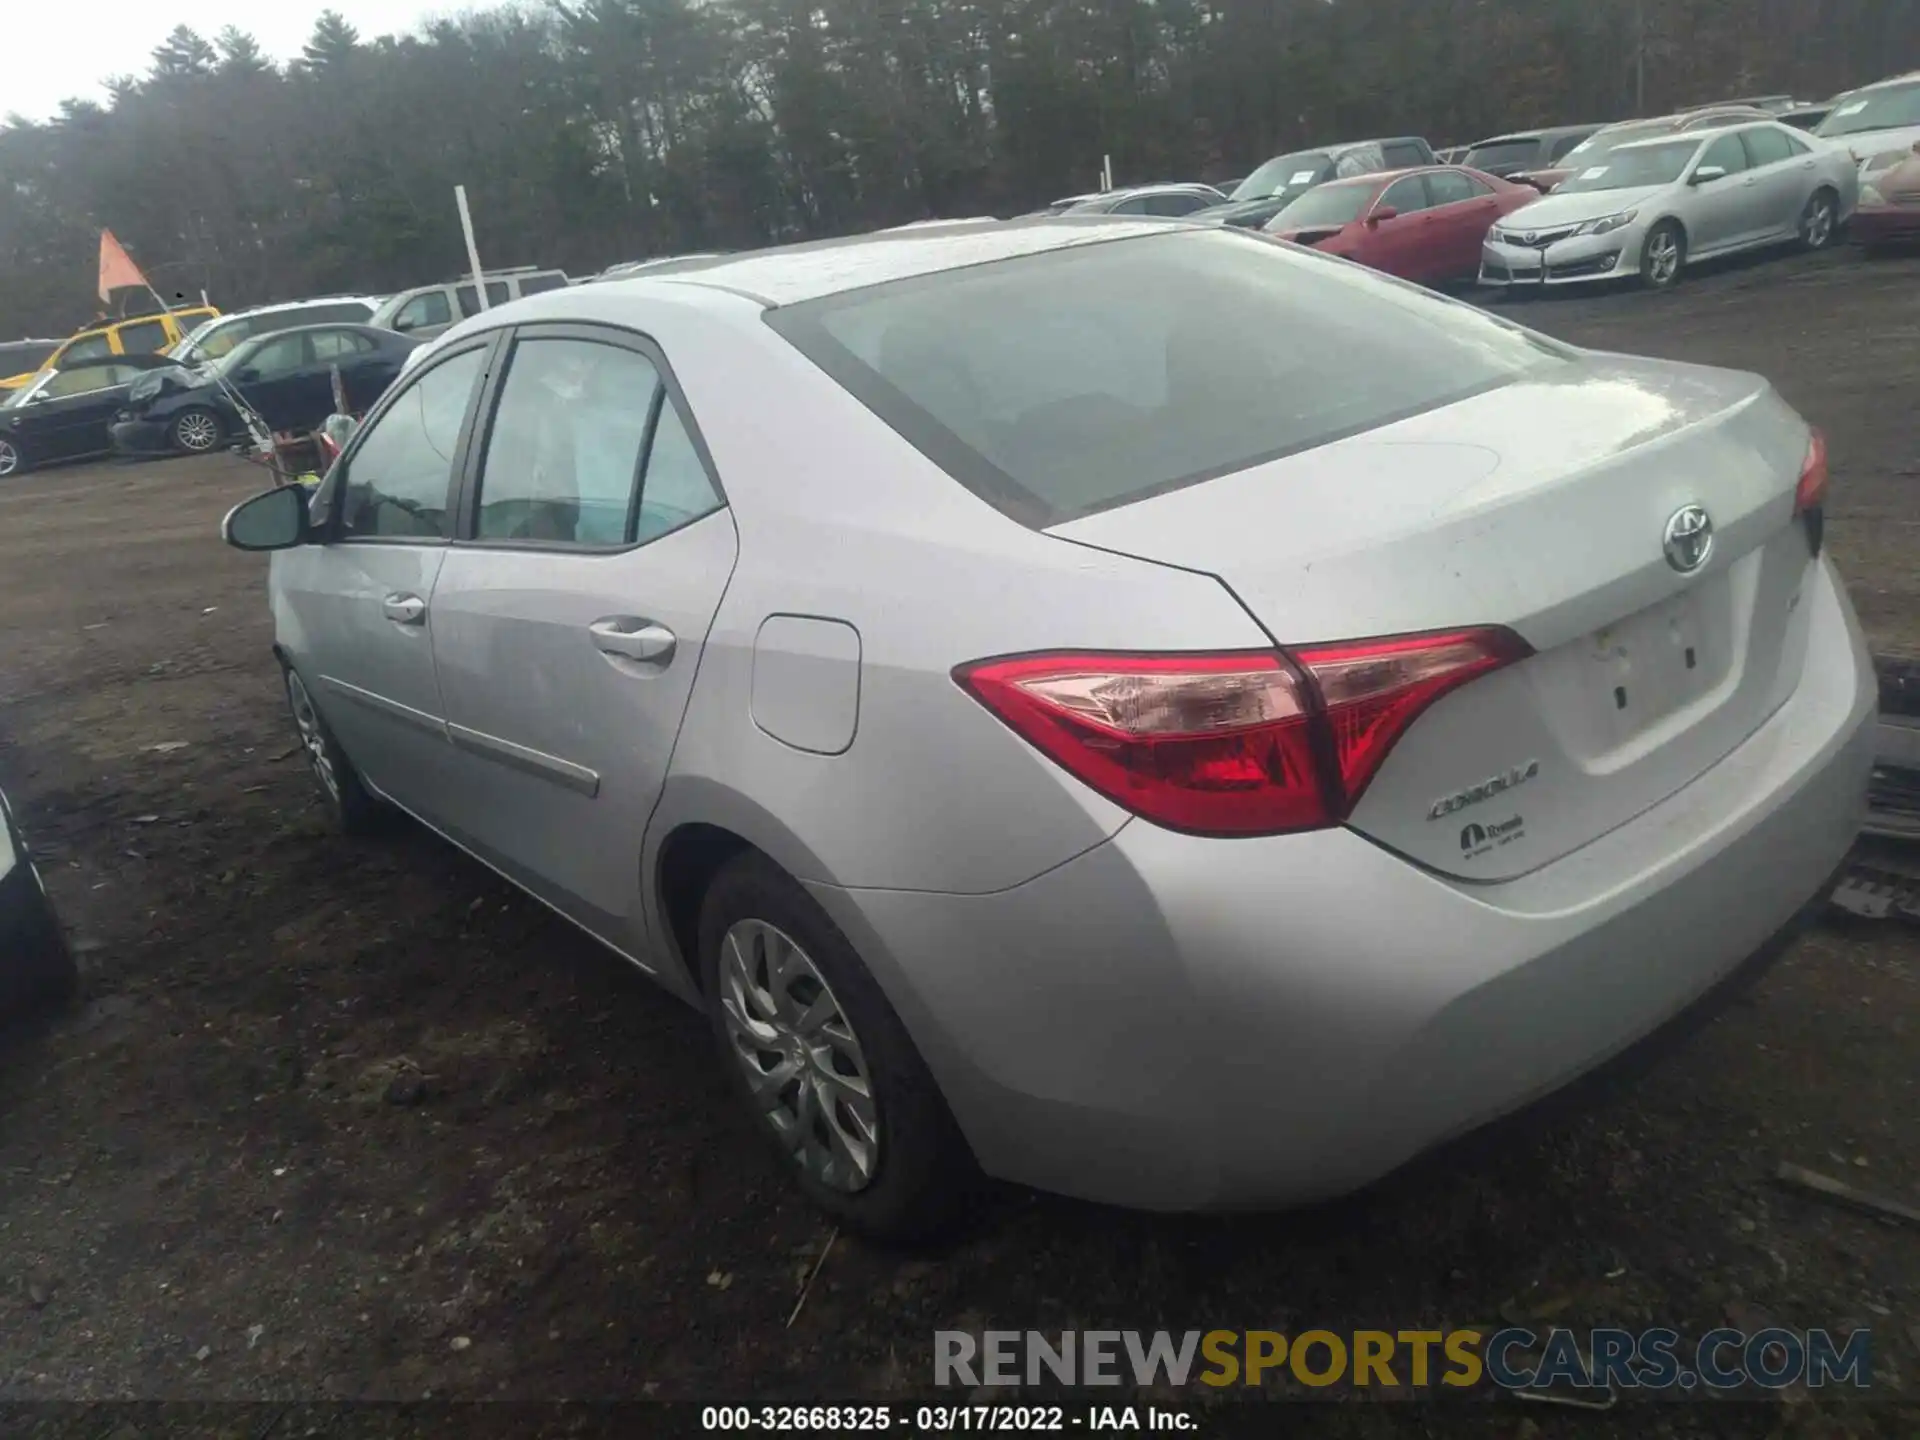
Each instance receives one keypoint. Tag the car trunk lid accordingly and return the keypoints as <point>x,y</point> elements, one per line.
<point>1542,506</point>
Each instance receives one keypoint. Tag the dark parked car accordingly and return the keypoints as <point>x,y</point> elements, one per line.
<point>36,967</point>
<point>286,378</point>
<point>64,414</point>
<point>1508,155</point>
<point>1285,178</point>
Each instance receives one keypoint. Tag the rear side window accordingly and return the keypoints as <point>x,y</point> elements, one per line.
<point>1060,384</point>
<point>1402,154</point>
<point>538,284</point>
<point>470,300</point>
<point>347,312</point>
<point>424,310</point>
<point>87,347</point>
<point>1175,204</point>
<point>1499,155</point>
<point>1450,187</point>
<point>1561,146</point>
<point>334,344</point>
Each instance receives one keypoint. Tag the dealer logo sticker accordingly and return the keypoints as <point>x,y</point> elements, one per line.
<point>1476,840</point>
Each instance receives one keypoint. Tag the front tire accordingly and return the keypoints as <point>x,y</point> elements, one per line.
<point>197,431</point>
<point>1663,256</point>
<point>824,1065</point>
<point>353,811</point>
<point>1820,221</point>
<point>13,459</point>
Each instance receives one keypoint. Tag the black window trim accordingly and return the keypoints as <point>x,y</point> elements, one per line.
<point>342,472</point>
<point>466,507</point>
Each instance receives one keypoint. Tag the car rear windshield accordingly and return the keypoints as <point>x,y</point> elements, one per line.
<point>1060,384</point>
<point>1284,172</point>
<point>1632,168</point>
<point>1497,155</point>
<point>1893,108</point>
<point>1329,205</point>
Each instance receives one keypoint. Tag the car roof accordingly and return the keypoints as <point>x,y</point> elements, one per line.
<point>1543,133</point>
<point>1909,78</point>
<point>792,274</point>
<point>1685,137</point>
<point>280,305</point>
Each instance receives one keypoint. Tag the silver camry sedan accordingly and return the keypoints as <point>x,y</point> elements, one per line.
<point>1648,208</point>
<point>1144,711</point>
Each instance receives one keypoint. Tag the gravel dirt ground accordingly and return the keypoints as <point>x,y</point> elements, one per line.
<point>357,1121</point>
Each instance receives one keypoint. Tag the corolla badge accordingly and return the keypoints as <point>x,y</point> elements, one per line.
<point>1493,785</point>
<point>1689,538</point>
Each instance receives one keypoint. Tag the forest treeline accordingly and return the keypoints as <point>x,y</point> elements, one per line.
<point>589,131</point>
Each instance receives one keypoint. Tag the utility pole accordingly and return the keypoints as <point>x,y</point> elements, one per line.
<point>1639,57</point>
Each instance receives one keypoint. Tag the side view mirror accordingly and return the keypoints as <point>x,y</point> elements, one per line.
<point>273,520</point>
<point>1385,212</point>
<point>1707,174</point>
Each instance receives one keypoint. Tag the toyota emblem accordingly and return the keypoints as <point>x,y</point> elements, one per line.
<point>1689,538</point>
<point>1527,237</point>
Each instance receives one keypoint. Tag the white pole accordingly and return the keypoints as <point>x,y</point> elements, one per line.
<point>473,251</point>
<point>204,301</point>
<point>1106,172</point>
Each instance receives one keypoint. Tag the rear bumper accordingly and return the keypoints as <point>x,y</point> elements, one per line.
<point>141,438</point>
<point>1180,1023</point>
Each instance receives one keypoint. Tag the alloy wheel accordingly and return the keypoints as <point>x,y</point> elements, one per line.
<point>9,457</point>
<point>1663,258</point>
<point>312,738</point>
<point>1819,223</point>
<point>803,1063</point>
<point>197,432</point>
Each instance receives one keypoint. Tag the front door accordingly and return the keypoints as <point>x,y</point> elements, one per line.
<point>570,617</point>
<point>1724,210</point>
<point>274,377</point>
<point>72,413</point>
<point>1464,209</point>
<point>1402,245</point>
<point>355,611</point>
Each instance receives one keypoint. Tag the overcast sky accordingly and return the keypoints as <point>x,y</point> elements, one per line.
<point>61,48</point>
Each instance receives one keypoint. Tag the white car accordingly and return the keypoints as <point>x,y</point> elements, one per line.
<point>1648,208</point>
<point>1878,124</point>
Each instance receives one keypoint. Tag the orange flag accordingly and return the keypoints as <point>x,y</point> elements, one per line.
<point>117,270</point>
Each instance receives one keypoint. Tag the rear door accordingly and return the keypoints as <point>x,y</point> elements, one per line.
<point>355,610</point>
<point>81,403</point>
<point>1464,209</point>
<point>1785,182</point>
<point>275,378</point>
<point>363,374</point>
<point>570,617</point>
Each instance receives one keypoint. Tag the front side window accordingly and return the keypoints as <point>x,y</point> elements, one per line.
<point>1328,205</point>
<point>1407,197</point>
<point>470,300</point>
<point>398,476</point>
<point>218,342</point>
<point>1560,149</point>
<point>424,310</point>
<point>81,380</point>
<point>87,347</point>
<point>1059,384</point>
<point>1728,153</point>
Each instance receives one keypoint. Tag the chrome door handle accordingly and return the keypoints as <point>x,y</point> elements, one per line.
<point>405,609</point>
<point>633,639</point>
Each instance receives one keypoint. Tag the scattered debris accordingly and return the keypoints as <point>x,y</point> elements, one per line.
<point>167,747</point>
<point>807,1289</point>
<point>1797,1177</point>
<point>460,1342</point>
<point>144,820</point>
<point>719,1279</point>
<point>254,1332</point>
<point>284,755</point>
<point>202,1353</point>
<point>1875,894</point>
<point>210,609</point>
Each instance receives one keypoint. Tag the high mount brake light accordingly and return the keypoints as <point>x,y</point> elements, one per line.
<point>1248,742</point>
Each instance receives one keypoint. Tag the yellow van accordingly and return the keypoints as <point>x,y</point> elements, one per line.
<point>144,335</point>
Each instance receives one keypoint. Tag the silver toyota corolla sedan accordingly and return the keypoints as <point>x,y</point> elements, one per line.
<point>1648,208</point>
<point>1149,712</point>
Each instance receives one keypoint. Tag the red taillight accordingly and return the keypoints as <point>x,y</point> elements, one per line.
<point>1252,742</point>
<point>1812,488</point>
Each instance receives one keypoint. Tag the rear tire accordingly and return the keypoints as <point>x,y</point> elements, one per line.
<point>1663,256</point>
<point>197,431</point>
<point>353,810</point>
<point>823,1064</point>
<point>37,971</point>
<point>1820,221</point>
<point>13,458</point>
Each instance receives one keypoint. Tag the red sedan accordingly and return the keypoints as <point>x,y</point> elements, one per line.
<point>1426,224</point>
